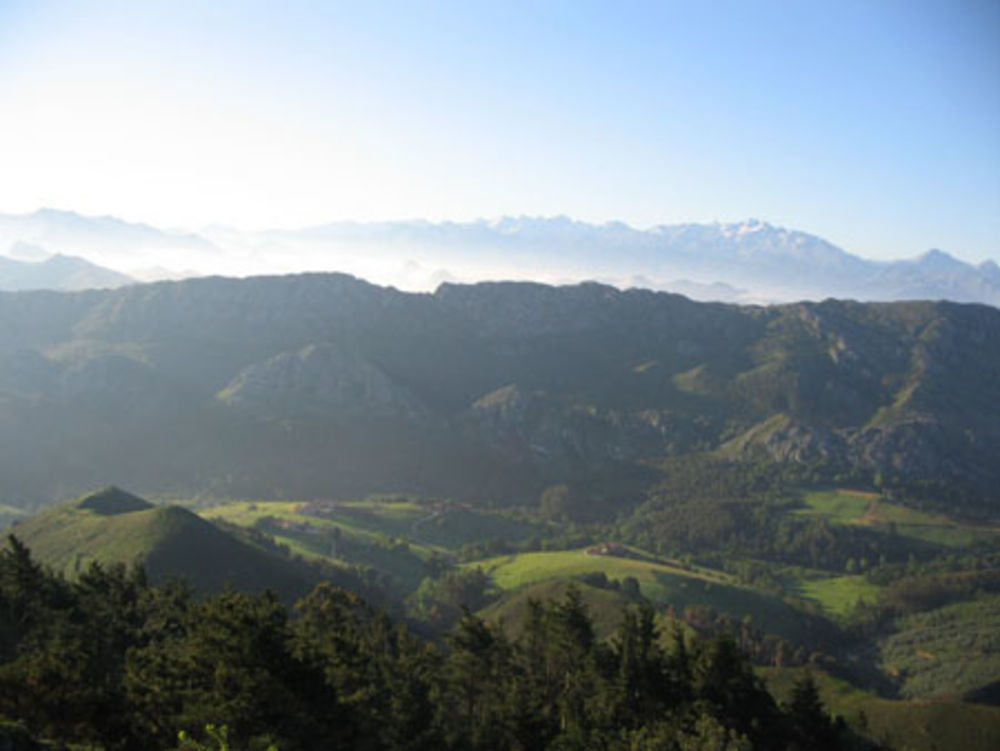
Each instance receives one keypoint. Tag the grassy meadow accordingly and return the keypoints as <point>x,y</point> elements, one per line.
<point>661,582</point>
<point>867,509</point>
<point>837,595</point>
<point>393,536</point>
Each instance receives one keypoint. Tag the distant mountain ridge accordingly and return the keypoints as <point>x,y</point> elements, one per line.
<point>749,261</point>
<point>52,228</point>
<point>58,272</point>
<point>106,241</point>
<point>323,385</point>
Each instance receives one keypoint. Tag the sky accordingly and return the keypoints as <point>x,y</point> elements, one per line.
<point>874,124</point>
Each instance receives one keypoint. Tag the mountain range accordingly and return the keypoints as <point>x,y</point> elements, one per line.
<point>750,261</point>
<point>323,385</point>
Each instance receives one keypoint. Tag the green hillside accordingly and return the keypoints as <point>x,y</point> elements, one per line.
<point>111,526</point>
<point>952,650</point>
<point>512,571</point>
<point>660,582</point>
<point>870,510</point>
<point>426,526</point>
<point>391,535</point>
<point>911,725</point>
<point>605,606</point>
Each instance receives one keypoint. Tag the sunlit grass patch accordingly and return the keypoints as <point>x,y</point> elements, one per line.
<point>838,594</point>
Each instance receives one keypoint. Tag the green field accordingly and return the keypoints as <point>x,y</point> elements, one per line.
<point>661,583</point>
<point>392,536</point>
<point>361,518</point>
<point>458,527</point>
<point>249,513</point>
<point>837,595</point>
<point>426,527</point>
<point>936,529</point>
<point>838,506</point>
<point>913,725</point>
<point>513,571</point>
<point>367,533</point>
<point>843,506</point>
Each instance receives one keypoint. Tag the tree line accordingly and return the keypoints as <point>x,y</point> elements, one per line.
<point>109,661</point>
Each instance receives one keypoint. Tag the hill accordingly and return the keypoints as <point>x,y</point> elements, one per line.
<point>606,607</point>
<point>663,584</point>
<point>111,526</point>
<point>913,725</point>
<point>396,536</point>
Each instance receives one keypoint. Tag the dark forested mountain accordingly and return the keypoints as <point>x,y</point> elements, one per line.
<point>322,384</point>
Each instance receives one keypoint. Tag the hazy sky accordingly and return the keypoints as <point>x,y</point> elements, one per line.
<point>874,124</point>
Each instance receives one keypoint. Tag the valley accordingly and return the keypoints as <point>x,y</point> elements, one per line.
<point>877,660</point>
<point>786,615</point>
<point>810,483</point>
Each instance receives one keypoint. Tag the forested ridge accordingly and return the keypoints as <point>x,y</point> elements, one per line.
<point>111,662</point>
<point>323,384</point>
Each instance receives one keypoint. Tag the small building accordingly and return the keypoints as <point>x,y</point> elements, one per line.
<point>607,548</point>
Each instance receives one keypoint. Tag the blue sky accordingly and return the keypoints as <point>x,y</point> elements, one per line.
<point>873,124</point>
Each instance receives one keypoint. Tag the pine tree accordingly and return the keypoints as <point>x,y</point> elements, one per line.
<point>812,728</point>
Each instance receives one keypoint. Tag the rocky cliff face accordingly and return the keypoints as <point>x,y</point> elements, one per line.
<point>538,428</point>
<point>915,449</point>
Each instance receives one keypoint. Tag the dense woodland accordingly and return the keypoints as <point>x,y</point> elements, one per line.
<point>110,661</point>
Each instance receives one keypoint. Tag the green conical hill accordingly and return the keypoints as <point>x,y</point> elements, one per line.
<point>112,526</point>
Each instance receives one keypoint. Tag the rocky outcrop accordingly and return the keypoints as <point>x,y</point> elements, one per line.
<point>917,448</point>
<point>547,430</point>
<point>804,444</point>
<point>320,381</point>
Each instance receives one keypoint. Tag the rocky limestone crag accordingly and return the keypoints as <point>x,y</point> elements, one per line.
<point>320,380</point>
<point>542,429</point>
